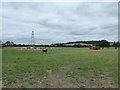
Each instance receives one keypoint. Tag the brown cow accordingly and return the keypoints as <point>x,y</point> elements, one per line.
<point>44,50</point>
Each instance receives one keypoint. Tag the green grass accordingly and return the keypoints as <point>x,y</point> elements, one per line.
<point>80,44</point>
<point>19,64</point>
<point>0,64</point>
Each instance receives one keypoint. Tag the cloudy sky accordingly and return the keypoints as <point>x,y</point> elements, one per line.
<point>59,22</point>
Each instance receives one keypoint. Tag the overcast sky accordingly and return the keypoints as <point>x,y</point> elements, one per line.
<point>59,22</point>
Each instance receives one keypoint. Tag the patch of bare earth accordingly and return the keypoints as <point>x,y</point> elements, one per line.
<point>59,80</point>
<point>56,80</point>
<point>96,81</point>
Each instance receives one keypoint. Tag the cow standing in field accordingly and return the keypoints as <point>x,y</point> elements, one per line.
<point>44,50</point>
<point>24,48</point>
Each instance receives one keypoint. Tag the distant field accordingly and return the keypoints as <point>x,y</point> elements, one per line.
<point>60,67</point>
<point>80,44</point>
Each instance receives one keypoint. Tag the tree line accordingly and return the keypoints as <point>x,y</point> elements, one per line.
<point>101,43</point>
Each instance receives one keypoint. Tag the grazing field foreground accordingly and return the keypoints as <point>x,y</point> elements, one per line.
<point>60,67</point>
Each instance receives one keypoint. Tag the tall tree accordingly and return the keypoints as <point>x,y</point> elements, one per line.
<point>104,43</point>
<point>116,44</point>
<point>8,43</point>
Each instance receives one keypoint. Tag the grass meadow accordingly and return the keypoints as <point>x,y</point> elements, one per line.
<point>60,67</point>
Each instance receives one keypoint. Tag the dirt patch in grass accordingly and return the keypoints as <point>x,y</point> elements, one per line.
<point>96,81</point>
<point>59,80</point>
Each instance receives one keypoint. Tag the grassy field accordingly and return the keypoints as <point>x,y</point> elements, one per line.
<point>60,67</point>
<point>80,44</point>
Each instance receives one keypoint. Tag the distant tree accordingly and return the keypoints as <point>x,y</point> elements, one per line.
<point>116,45</point>
<point>77,45</point>
<point>19,45</point>
<point>8,43</point>
<point>11,43</point>
<point>104,43</point>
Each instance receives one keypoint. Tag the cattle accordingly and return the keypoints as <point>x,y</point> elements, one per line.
<point>24,48</point>
<point>44,50</point>
<point>34,48</point>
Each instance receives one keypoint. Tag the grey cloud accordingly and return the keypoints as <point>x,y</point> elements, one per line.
<point>59,22</point>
